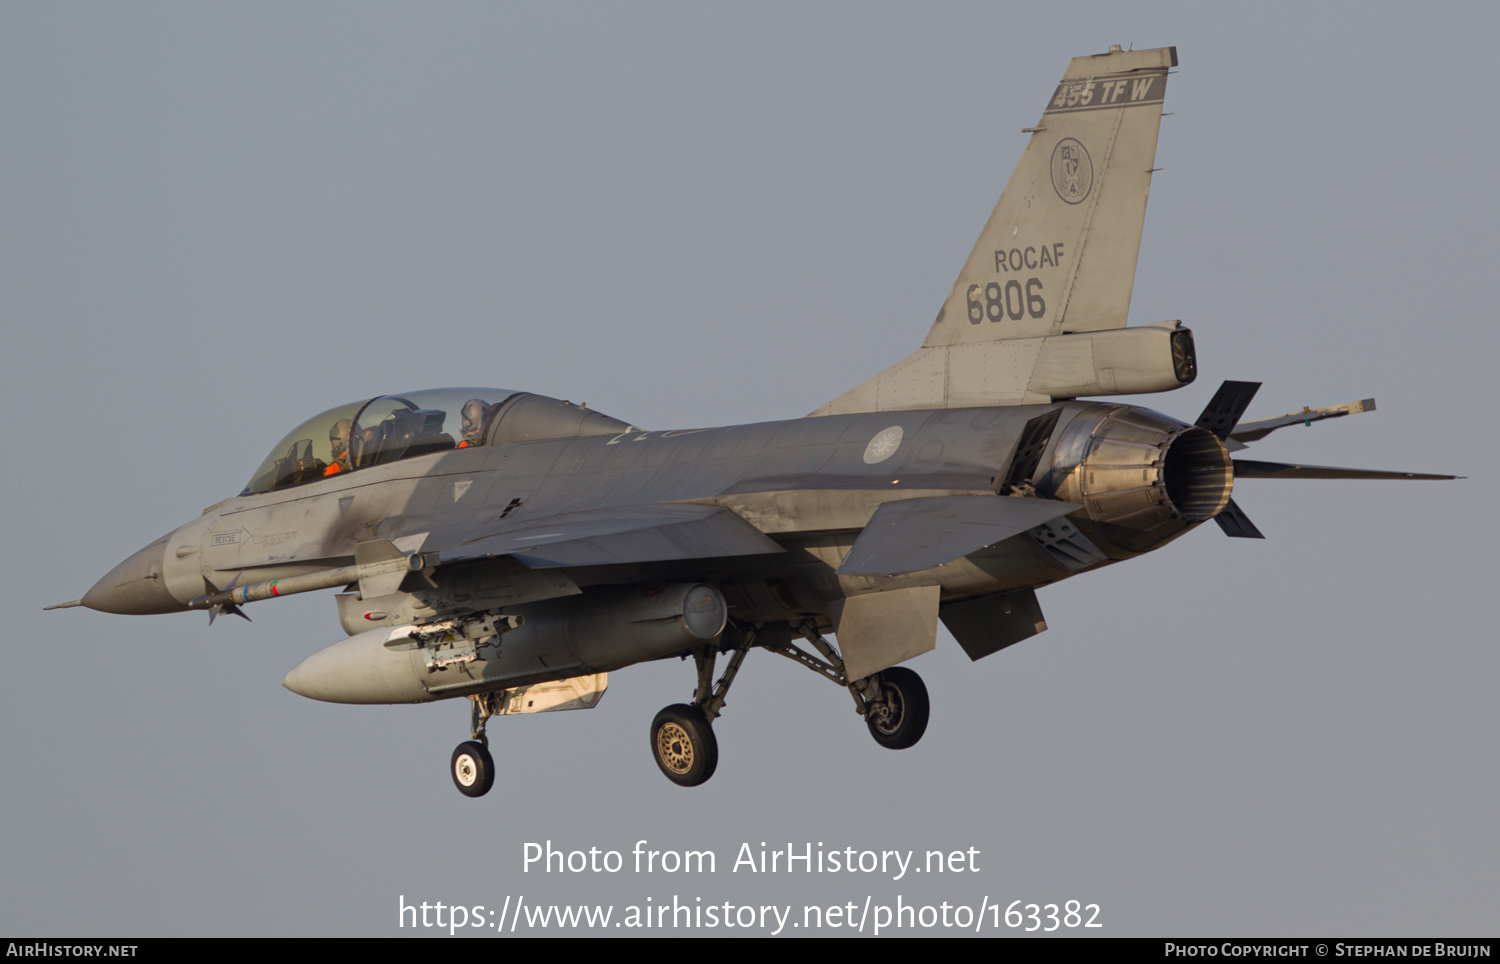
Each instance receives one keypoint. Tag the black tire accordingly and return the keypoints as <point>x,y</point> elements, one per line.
<point>472,769</point>
<point>901,722</point>
<point>684,745</point>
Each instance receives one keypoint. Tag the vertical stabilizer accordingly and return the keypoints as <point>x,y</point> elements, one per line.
<point>1036,312</point>
<point>1059,250</point>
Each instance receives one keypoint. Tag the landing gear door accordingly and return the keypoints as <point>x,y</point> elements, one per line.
<point>880,629</point>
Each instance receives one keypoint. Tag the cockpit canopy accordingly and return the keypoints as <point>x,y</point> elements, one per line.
<point>379,430</point>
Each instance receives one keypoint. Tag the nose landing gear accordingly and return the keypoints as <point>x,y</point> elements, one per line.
<point>472,767</point>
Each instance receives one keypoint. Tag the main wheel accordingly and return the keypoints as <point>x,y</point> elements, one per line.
<point>900,719</point>
<point>473,769</point>
<point>684,745</point>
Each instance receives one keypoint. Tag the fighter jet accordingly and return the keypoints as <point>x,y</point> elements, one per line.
<point>513,549</point>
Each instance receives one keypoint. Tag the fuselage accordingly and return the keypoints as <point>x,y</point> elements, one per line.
<point>809,484</point>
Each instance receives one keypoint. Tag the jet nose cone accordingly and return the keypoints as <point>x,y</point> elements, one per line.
<point>135,587</point>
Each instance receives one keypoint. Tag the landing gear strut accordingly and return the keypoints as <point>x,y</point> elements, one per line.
<point>893,702</point>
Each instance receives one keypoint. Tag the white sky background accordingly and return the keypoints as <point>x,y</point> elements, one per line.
<point>215,221</point>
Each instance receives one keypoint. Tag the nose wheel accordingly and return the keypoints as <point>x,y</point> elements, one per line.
<point>473,769</point>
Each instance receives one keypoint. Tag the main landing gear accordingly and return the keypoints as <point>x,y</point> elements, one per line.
<point>898,718</point>
<point>684,744</point>
<point>893,703</point>
<point>682,735</point>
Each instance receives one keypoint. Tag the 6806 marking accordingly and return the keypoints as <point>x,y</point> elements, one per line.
<point>1006,301</point>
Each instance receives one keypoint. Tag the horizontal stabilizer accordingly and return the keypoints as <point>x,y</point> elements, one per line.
<point>1250,469</point>
<point>1246,432</point>
<point>1236,524</point>
<point>605,537</point>
<point>916,534</point>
